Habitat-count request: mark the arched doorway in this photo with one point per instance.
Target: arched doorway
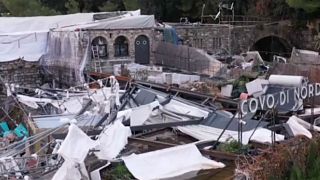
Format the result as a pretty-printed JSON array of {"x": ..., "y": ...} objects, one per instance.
[
  {"x": 99, "y": 45},
  {"x": 121, "y": 47},
  {"x": 142, "y": 50},
  {"x": 270, "y": 46}
]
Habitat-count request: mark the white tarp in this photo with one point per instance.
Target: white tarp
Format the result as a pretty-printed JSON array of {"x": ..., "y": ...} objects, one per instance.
[
  {"x": 168, "y": 162},
  {"x": 125, "y": 22},
  {"x": 76, "y": 145},
  {"x": 27, "y": 37},
  {"x": 9, "y": 25},
  {"x": 29, "y": 46},
  {"x": 202, "y": 132},
  {"x": 112, "y": 140},
  {"x": 74, "y": 150},
  {"x": 70, "y": 171}
]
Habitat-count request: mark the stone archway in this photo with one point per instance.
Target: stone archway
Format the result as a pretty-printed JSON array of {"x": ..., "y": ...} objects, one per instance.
[
  {"x": 271, "y": 45},
  {"x": 100, "y": 45},
  {"x": 121, "y": 47}
]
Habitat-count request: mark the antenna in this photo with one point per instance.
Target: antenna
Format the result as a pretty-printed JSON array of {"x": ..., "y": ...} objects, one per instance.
[
  {"x": 218, "y": 15},
  {"x": 203, "y": 6}
]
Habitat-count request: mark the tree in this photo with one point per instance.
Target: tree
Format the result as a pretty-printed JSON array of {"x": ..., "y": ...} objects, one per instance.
[
  {"x": 3, "y": 10},
  {"x": 72, "y": 6},
  {"x": 310, "y": 6},
  {"x": 131, "y": 4},
  {"x": 57, "y": 5},
  {"x": 27, "y": 8},
  {"x": 112, "y": 5}
]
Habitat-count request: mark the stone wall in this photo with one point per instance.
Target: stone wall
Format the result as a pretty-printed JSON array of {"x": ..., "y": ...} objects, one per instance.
[
  {"x": 237, "y": 39},
  {"x": 20, "y": 72},
  {"x": 209, "y": 37}
]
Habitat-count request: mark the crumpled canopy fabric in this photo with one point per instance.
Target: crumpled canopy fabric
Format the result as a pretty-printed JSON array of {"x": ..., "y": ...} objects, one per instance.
[
  {"x": 69, "y": 105},
  {"x": 140, "y": 114},
  {"x": 32, "y": 101},
  {"x": 70, "y": 171},
  {"x": 297, "y": 129},
  {"x": 168, "y": 162},
  {"x": 202, "y": 132},
  {"x": 183, "y": 108},
  {"x": 112, "y": 140},
  {"x": 76, "y": 145},
  {"x": 305, "y": 124}
]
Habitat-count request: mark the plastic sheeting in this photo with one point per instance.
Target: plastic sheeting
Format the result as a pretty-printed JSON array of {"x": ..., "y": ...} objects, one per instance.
[
  {"x": 186, "y": 58},
  {"x": 112, "y": 140},
  {"x": 68, "y": 51},
  {"x": 168, "y": 162}
]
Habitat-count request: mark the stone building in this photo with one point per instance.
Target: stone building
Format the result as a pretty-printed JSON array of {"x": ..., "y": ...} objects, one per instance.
[{"x": 120, "y": 46}]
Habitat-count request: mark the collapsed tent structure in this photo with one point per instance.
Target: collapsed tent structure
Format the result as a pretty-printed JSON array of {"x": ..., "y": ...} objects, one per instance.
[{"x": 90, "y": 120}]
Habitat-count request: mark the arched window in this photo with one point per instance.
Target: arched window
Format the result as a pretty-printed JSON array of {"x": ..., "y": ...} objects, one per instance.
[
  {"x": 99, "y": 46},
  {"x": 121, "y": 47}
]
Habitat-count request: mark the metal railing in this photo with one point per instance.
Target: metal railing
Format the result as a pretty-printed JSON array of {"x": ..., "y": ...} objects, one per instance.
[{"x": 235, "y": 20}]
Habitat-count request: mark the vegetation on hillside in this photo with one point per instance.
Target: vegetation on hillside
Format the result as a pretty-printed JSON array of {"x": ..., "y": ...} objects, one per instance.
[{"x": 165, "y": 10}]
